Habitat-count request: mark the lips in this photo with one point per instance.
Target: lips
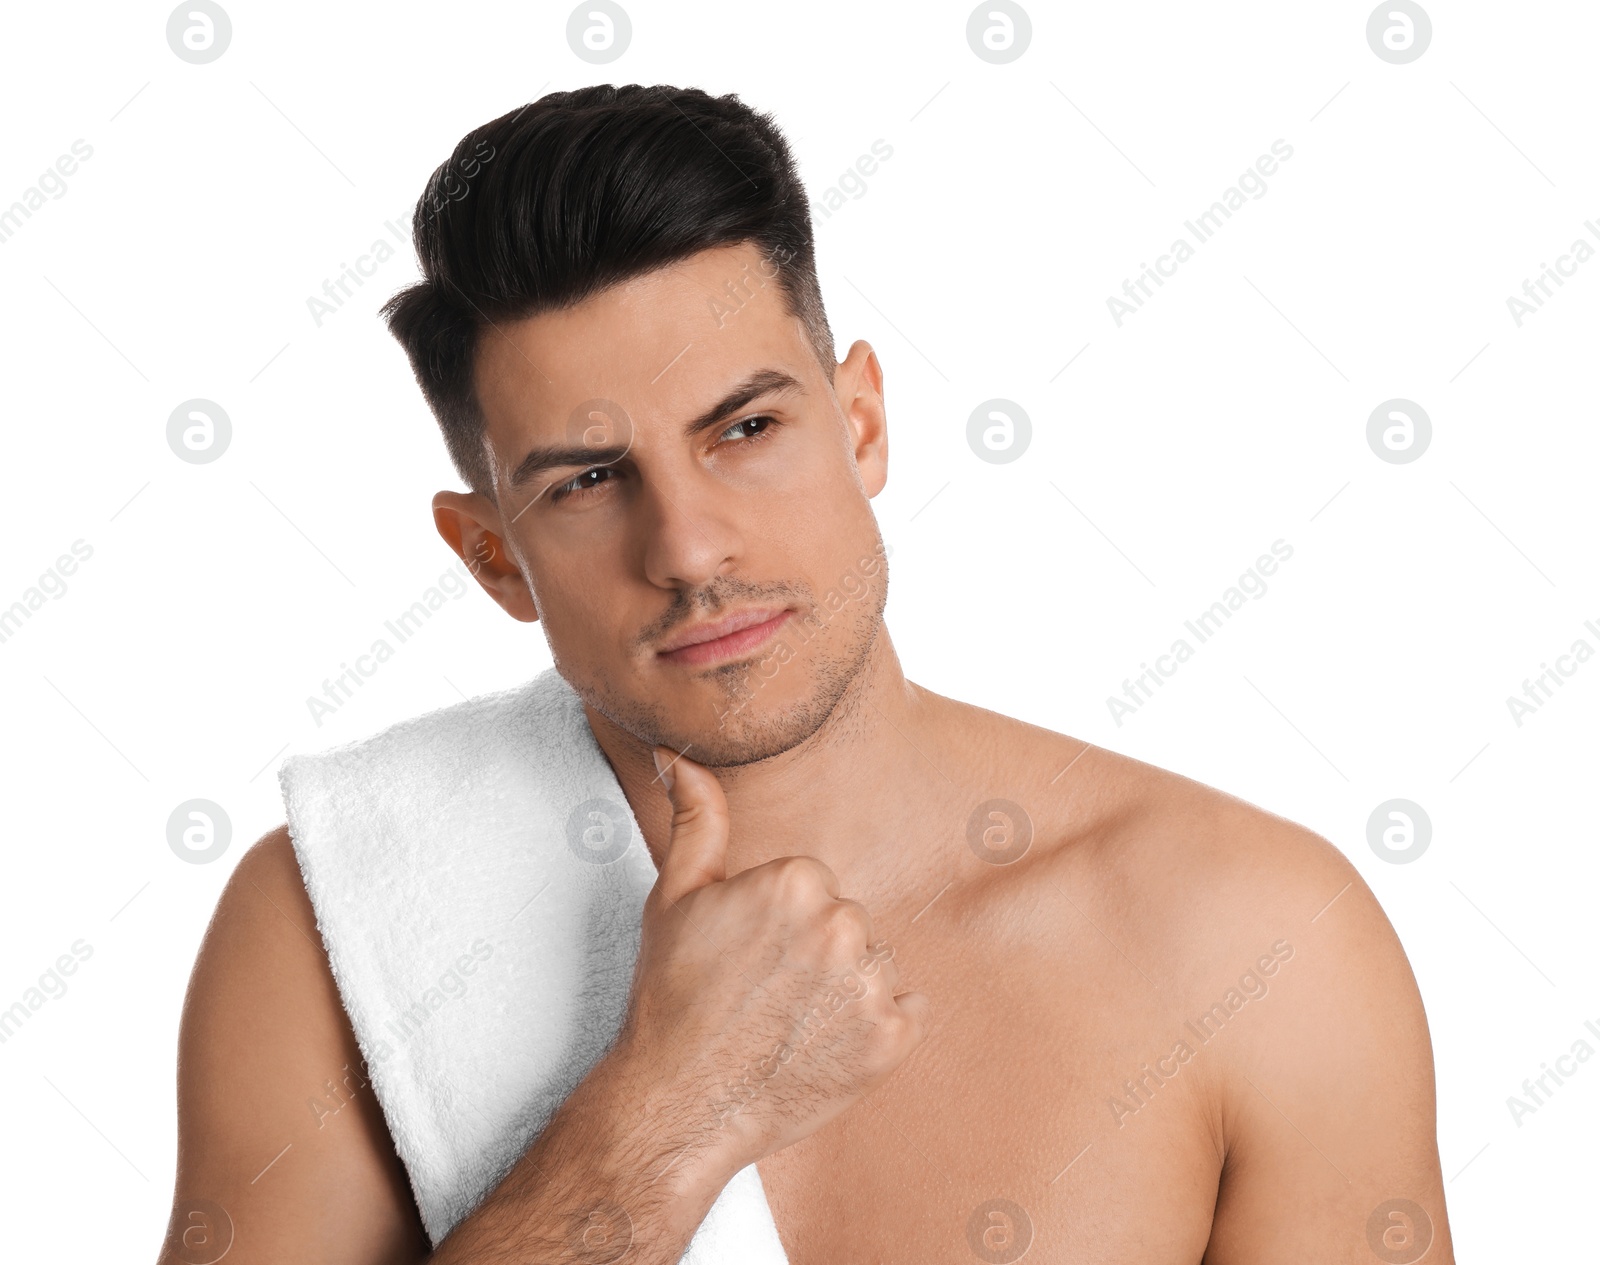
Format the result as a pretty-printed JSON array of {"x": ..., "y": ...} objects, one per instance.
[{"x": 733, "y": 636}]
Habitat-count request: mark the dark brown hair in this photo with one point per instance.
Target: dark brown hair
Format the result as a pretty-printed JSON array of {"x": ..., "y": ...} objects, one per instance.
[{"x": 577, "y": 191}]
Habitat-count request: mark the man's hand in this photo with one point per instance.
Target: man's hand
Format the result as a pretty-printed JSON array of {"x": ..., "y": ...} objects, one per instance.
[
  {"x": 762, "y": 1000},
  {"x": 761, "y": 1011}
]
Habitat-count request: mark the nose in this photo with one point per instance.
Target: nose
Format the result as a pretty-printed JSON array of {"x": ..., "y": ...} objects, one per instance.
[{"x": 690, "y": 529}]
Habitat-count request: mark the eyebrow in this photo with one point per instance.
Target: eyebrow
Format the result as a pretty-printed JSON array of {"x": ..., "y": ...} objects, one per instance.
[{"x": 547, "y": 457}]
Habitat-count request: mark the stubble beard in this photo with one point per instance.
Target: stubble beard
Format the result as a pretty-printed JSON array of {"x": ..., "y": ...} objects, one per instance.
[{"x": 737, "y": 728}]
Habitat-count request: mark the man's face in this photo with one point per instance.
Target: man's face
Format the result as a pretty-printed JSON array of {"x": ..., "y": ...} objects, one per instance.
[{"x": 670, "y": 459}]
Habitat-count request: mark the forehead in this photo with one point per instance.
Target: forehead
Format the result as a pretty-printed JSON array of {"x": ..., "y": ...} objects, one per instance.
[{"x": 661, "y": 345}]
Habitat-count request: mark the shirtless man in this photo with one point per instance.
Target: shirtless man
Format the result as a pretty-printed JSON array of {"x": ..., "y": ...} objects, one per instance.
[{"x": 1101, "y": 1012}]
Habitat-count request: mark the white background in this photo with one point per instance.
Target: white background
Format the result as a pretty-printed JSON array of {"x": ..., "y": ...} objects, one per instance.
[{"x": 1229, "y": 412}]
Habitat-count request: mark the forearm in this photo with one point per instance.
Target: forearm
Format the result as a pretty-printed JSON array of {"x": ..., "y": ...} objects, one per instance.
[{"x": 622, "y": 1167}]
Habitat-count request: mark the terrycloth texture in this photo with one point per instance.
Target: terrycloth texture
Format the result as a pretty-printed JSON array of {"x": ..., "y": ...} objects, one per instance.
[{"x": 478, "y": 879}]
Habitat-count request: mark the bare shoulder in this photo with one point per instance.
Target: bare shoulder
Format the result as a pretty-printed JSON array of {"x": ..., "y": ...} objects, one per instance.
[
  {"x": 1227, "y": 879},
  {"x": 1135, "y": 814},
  {"x": 1278, "y": 971},
  {"x": 1195, "y": 872},
  {"x": 282, "y": 1147},
  {"x": 1207, "y": 882},
  {"x": 1196, "y": 867},
  {"x": 1248, "y": 953}
]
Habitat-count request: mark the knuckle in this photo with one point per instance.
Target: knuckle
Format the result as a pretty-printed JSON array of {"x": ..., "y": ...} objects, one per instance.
[
  {"x": 895, "y": 1032},
  {"x": 842, "y": 931},
  {"x": 796, "y": 878}
]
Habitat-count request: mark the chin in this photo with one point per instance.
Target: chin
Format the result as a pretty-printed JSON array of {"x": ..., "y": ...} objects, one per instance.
[
  {"x": 744, "y": 712},
  {"x": 749, "y": 712},
  {"x": 757, "y": 730}
]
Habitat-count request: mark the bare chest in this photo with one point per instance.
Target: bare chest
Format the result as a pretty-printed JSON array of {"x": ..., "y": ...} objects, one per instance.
[{"x": 1037, "y": 1117}]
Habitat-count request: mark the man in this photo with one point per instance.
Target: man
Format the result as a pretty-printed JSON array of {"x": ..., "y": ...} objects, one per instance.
[{"x": 1114, "y": 1014}]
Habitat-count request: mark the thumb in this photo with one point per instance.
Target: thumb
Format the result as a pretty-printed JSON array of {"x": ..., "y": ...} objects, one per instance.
[
  {"x": 919, "y": 1009},
  {"x": 698, "y": 849}
]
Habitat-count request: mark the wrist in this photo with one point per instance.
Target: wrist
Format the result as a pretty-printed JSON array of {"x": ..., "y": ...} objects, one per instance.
[{"x": 677, "y": 1119}]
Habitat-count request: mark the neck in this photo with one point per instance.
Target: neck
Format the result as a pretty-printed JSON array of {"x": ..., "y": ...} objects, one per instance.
[{"x": 847, "y": 795}]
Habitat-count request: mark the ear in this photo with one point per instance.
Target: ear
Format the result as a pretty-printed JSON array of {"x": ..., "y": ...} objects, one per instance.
[
  {"x": 470, "y": 525},
  {"x": 858, "y": 384}
]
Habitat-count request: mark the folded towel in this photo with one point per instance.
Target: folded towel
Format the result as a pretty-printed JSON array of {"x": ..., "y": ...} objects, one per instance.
[{"x": 478, "y": 879}]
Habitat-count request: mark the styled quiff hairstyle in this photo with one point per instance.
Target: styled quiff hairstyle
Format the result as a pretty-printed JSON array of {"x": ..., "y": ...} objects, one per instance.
[{"x": 548, "y": 205}]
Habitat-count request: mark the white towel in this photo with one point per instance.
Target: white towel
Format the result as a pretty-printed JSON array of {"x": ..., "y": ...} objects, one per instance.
[{"x": 478, "y": 879}]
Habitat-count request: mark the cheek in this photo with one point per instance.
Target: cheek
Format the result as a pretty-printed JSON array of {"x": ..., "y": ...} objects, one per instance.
[
  {"x": 574, "y": 595},
  {"x": 810, "y": 486},
  {"x": 811, "y": 532}
]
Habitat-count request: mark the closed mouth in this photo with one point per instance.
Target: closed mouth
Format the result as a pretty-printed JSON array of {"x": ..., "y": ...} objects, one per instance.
[{"x": 733, "y": 636}]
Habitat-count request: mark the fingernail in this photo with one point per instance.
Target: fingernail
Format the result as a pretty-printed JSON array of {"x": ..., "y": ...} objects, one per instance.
[{"x": 663, "y": 769}]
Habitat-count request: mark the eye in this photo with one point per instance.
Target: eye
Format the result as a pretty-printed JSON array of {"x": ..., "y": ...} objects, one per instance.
[
  {"x": 589, "y": 480},
  {"x": 740, "y": 429},
  {"x": 751, "y": 429}
]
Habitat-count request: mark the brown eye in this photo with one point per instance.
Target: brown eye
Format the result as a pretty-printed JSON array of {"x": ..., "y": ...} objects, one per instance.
[
  {"x": 741, "y": 429},
  {"x": 585, "y": 482}
]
